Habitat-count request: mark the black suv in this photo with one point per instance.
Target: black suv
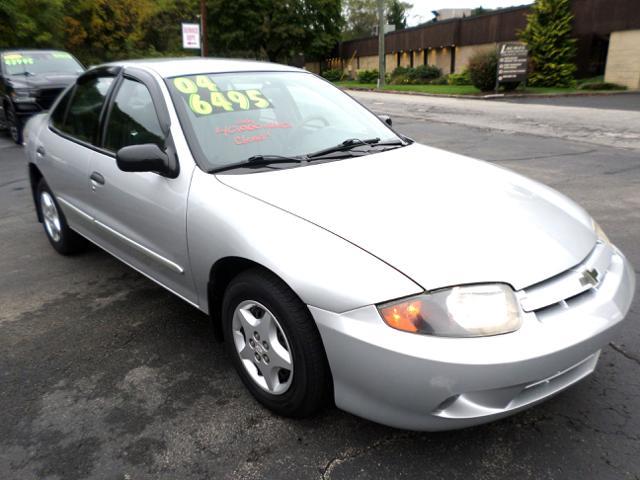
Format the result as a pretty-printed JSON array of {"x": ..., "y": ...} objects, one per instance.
[{"x": 30, "y": 80}]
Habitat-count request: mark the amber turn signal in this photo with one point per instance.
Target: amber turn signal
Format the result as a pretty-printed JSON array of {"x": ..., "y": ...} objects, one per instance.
[{"x": 403, "y": 316}]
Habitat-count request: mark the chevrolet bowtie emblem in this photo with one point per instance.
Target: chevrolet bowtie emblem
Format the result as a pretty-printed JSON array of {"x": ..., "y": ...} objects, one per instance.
[{"x": 589, "y": 277}]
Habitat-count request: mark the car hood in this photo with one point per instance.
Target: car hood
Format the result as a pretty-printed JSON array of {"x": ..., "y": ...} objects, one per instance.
[
  {"x": 440, "y": 218},
  {"x": 44, "y": 80}
]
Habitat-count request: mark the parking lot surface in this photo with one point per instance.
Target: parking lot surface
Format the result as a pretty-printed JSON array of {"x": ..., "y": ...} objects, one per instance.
[
  {"x": 103, "y": 374},
  {"x": 617, "y": 101}
]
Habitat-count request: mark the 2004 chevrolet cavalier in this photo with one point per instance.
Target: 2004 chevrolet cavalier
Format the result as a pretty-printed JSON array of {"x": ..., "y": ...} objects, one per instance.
[{"x": 420, "y": 289}]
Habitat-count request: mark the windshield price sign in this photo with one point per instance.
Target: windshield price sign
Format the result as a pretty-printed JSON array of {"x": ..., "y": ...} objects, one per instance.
[
  {"x": 512, "y": 62},
  {"x": 191, "y": 35}
]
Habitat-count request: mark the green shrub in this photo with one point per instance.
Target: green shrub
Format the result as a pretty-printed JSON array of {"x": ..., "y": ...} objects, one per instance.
[
  {"x": 399, "y": 79},
  {"x": 334, "y": 75},
  {"x": 601, "y": 86},
  {"x": 459, "y": 78},
  {"x": 509, "y": 86},
  {"x": 483, "y": 68},
  {"x": 368, "y": 76},
  {"x": 552, "y": 48},
  {"x": 425, "y": 73},
  {"x": 439, "y": 81}
]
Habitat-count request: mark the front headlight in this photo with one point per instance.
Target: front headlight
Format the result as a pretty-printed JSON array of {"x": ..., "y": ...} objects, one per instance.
[
  {"x": 466, "y": 311},
  {"x": 602, "y": 237},
  {"x": 23, "y": 96}
]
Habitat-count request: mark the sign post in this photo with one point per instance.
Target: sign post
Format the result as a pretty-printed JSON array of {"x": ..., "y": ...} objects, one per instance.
[
  {"x": 512, "y": 63},
  {"x": 381, "y": 49},
  {"x": 191, "y": 36}
]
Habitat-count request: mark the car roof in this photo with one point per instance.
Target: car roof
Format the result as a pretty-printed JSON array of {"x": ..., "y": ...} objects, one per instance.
[{"x": 171, "y": 67}]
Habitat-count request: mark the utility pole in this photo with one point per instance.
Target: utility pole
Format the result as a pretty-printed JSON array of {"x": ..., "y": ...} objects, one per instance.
[
  {"x": 381, "y": 50},
  {"x": 203, "y": 28}
]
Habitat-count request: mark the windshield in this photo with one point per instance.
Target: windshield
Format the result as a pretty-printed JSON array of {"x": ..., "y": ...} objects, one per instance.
[
  {"x": 231, "y": 117},
  {"x": 16, "y": 63}
]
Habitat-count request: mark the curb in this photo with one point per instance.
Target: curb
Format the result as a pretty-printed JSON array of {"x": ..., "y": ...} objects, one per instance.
[{"x": 498, "y": 96}]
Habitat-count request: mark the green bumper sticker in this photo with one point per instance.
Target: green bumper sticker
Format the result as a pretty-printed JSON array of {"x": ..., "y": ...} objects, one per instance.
[{"x": 16, "y": 59}]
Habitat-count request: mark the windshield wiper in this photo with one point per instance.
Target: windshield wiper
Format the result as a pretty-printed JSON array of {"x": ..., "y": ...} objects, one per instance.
[
  {"x": 355, "y": 142},
  {"x": 348, "y": 144},
  {"x": 257, "y": 161}
]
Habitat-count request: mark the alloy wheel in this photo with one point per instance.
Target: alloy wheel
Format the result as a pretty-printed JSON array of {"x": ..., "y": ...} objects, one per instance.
[
  {"x": 51, "y": 216},
  {"x": 263, "y": 347}
]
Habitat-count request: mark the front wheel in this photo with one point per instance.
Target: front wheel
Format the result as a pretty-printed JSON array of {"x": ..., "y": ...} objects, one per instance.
[
  {"x": 15, "y": 125},
  {"x": 275, "y": 345},
  {"x": 61, "y": 237}
]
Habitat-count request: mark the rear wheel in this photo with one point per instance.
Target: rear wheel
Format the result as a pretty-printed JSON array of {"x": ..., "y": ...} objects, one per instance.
[
  {"x": 61, "y": 237},
  {"x": 14, "y": 124},
  {"x": 275, "y": 345}
]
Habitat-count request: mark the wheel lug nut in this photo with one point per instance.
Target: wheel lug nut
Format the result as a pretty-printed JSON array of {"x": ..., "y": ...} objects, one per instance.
[
  {"x": 257, "y": 356},
  {"x": 256, "y": 335},
  {"x": 252, "y": 343},
  {"x": 265, "y": 358},
  {"x": 265, "y": 345}
]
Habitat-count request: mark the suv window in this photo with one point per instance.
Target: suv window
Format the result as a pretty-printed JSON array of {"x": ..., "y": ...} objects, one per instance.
[
  {"x": 133, "y": 119},
  {"x": 84, "y": 111},
  {"x": 59, "y": 113}
]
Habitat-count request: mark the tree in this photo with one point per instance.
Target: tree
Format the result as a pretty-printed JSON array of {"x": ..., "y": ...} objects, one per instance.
[
  {"x": 30, "y": 23},
  {"x": 397, "y": 14},
  {"x": 361, "y": 17},
  {"x": 552, "y": 50},
  {"x": 162, "y": 30},
  {"x": 274, "y": 30},
  {"x": 480, "y": 11}
]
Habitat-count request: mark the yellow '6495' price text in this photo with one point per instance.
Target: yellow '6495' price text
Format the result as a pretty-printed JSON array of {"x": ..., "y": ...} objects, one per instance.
[{"x": 204, "y": 98}]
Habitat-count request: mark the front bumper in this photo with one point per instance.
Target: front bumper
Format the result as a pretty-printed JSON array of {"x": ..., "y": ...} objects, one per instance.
[{"x": 421, "y": 382}]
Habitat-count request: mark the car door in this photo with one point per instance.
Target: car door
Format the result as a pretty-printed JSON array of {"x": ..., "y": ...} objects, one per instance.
[
  {"x": 142, "y": 215},
  {"x": 64, "y": 150}
]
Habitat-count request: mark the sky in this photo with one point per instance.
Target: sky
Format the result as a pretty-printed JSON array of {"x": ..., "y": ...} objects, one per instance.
[{"x": 421, "y": 11}]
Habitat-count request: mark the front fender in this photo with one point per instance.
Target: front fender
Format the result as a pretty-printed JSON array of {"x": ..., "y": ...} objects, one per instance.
[{"x": 323, "y": 269}]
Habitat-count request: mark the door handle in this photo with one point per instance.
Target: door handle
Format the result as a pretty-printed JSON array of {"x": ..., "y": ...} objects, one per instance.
[
  {"x": 96, "y": 179},
  {"x": 40, "y": 151}
]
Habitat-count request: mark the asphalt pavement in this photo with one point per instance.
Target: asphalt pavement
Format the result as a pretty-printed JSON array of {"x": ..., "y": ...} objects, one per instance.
[
  {"x": 105, "y": 375},
  {"x": 616, "y": 101}
]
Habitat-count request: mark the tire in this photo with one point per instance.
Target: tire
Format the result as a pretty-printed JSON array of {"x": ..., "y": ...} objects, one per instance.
[
  {"x": 297, "y": 392},
  {"x": 61, "y": 237},
  {"x": 14, "y": 124}
]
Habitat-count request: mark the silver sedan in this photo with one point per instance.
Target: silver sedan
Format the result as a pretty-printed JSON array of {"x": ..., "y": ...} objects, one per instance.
[{"x": 339, "y": 260}]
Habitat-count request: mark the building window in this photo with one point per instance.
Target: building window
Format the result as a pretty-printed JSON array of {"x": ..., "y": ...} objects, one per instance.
[
  {"x": 411, "y": 58},
  {"x": 398, "y": 59},
  {"x": 453, "y": 60}
]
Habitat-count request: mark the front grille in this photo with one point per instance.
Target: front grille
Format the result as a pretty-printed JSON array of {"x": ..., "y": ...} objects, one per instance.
[
  {"x": 47, "y": 96},
  {"x": 571, "y": 287}
]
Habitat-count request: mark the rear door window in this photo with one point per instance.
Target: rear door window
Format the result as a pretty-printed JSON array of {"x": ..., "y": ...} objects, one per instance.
[{"x": 83, "y": 116}]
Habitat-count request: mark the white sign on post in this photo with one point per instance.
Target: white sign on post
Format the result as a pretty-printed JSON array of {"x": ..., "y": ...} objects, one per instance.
[{"x": 191, "y": 35}]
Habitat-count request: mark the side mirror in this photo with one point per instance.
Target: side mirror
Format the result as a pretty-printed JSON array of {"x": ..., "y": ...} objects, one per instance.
[
  {"x": 145, "y": 158},
  {"x": 386, "y": 119}
]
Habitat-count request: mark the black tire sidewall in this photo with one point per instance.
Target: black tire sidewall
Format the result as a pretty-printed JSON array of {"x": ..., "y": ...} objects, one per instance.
[
  {"x": 298, "y": 400},
  {"x": 13, "y": 120}
]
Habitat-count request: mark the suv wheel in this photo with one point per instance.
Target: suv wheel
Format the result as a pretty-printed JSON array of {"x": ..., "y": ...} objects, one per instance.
[{"x": 15, "y": 125}]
